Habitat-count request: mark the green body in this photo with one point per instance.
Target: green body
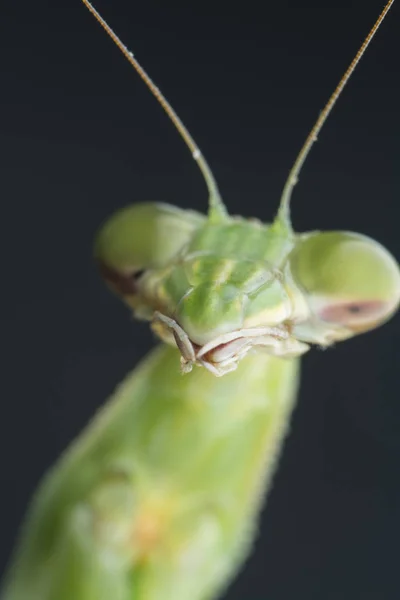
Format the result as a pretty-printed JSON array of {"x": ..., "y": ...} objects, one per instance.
[{"x": 158, "y": 498}]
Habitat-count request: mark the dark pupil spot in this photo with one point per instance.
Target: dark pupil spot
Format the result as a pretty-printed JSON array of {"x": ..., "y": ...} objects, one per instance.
[
  {"x": 122, "y": 283},
  {"x": 354, "y": 309},
  {"x": 135, "y": 276}
]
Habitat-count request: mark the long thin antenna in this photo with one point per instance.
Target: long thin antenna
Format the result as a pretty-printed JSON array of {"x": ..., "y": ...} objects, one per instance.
[
  {"x": 284, "y": 209},
  {"x": 217, "y": 210}
]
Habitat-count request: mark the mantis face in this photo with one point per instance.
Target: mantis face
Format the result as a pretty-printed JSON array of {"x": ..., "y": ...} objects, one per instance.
[{"x": 217, "y": 291}]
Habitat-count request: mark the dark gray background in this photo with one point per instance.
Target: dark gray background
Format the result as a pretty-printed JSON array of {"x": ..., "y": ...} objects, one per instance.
[{"x": 80, "y": 136}]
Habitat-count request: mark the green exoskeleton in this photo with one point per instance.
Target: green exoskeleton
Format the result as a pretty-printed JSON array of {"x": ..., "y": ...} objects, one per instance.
[{"x": 159, "y": 498}]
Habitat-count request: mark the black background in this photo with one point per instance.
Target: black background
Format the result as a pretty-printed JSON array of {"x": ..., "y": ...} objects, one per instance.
[{"x": 80, "y": 136}]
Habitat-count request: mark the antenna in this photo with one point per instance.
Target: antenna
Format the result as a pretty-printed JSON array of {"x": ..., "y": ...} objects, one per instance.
[
  {"x": 217, "y": 210},
  {"x": 283, "y": 217}
]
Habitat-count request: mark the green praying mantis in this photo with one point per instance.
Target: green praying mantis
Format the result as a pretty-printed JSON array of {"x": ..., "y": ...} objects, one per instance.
[{"x": 159, "y": 498}]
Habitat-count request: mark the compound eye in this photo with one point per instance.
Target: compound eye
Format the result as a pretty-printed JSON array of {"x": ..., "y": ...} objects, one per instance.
[
  {"x": 139, "y": 238},
  {"x": 146, "y": 235},
  {"x": 348, "y": 280}
]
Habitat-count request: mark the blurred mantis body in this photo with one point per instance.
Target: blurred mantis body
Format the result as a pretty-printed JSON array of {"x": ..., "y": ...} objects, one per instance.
[{"x": 159, "y": 497}]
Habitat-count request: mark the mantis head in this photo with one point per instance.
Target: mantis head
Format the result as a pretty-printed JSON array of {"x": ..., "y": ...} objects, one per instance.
[{"x": 219, "y": 290}]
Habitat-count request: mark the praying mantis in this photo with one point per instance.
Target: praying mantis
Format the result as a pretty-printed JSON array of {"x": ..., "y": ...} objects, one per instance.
[{"x": 160, "y": 496}]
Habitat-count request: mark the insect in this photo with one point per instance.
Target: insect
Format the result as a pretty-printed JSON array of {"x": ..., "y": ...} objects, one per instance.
[{"x": 159, "y": 497}]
